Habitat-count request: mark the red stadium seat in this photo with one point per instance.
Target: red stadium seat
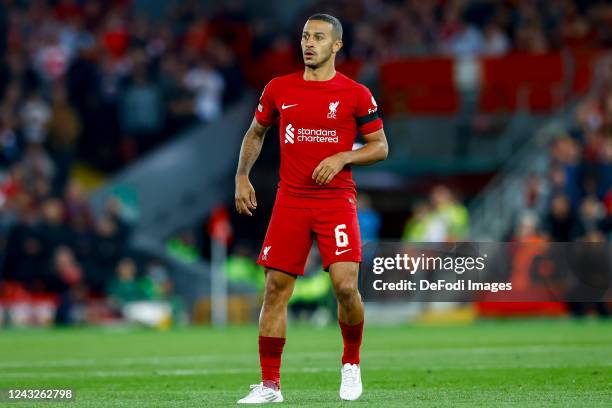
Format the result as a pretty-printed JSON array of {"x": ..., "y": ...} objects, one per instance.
[
  {"x": 584, "y": 61},
  {"x": 13, "y": 291},
  {"x": 420, "y": 85},
  {"x": 533, "y": 82}
]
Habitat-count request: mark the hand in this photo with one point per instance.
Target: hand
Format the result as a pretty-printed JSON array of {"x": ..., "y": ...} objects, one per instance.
[
  {"x": 328, "y": 168},
  {"x": 245, "y": 196}
]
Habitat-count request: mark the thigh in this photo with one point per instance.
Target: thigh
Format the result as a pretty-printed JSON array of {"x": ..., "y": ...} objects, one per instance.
[
  {"x": 288, "y": 240},
  {"x": 337, "y": 234}
]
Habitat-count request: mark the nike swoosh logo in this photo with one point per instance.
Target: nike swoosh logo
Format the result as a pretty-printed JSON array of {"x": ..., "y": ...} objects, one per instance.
[
  {"x": 341, "y": 252},
  {"x": 288, "y": 106}
]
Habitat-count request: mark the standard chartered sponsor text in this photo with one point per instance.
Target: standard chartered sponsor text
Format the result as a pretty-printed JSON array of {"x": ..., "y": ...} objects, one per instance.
[{"x": 317, "y": 135}]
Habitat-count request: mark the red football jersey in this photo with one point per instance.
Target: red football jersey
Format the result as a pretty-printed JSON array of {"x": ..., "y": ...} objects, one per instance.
[{"x": 317, "y": 119}]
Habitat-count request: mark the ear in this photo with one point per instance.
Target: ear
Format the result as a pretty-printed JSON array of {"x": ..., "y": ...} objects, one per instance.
[{"x": 337, "y": 46}]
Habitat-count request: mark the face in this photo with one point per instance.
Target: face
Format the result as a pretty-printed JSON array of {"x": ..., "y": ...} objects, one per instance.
[
  {"x": 560, "y": 206},
  {"x": 319, "y": 43}
]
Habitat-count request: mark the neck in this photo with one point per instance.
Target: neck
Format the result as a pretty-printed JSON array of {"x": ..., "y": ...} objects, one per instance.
[{"x": 322, "y": 73}]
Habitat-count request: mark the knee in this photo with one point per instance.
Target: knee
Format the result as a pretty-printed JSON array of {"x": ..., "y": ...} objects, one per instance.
[
  {"x": 276, "y": 291},
  {"x": 347, "y": 293}
]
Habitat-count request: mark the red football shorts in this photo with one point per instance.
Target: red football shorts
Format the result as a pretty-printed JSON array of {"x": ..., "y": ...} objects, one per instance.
[{"x": 333, "y": 223}]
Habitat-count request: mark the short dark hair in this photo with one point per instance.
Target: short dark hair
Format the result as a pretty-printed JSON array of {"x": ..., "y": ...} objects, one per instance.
[{"x": 336, "y": 24}]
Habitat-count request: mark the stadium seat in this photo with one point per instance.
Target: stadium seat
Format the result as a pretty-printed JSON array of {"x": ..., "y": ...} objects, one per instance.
[
  {"x": 583, "y": 61},
  {"x": 12, "y": 291},
  {"x": 420, "y": 85},
  {"x": 532, "y": 82}
]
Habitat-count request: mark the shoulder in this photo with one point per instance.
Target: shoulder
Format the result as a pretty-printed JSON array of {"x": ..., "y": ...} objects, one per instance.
[
  {"x": 285, "y": 79},
  {"x": 279, "y": 83},
  {"x": 351, "y": 83}
]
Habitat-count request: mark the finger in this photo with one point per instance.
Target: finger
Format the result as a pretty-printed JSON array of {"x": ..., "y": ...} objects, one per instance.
[
  {"x": 239, "y": 206},
  {"x": 243, "y": 208},
  {"x": 253, "y": 199},
  {"x": 330, "y": 177},
  {"x": 245, "y": 200},
  {"x": 322, "y": 175},
  {"x": 316, "y": 171},
  {"x": 247, "y": 207},
  {"x": 317, "y": 179}
]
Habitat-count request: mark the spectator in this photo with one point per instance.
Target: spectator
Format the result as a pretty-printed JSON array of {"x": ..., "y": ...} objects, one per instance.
[
  {"x": 560, "y": 221},
  {"x": 207, "y": 85},
  {"x": 452, "y": 215},
  {"x": 496, "y": 42},
  {"x": 25, "y": 255},
  {"x": 369, "y": 219},
  {"x": 457, "y": 37},
  {"x": 229, "y": 68},
  {"x": 11, "y": 144},
  {"x": 527, "y": 229},
  {"x": 125, "y": 288},
  {"x": 35, "y": 115},
  {"x": 37, "y": 164},
  {"x": 54, "y": 231},
  {"x": 64, "y": 128},
  {"x": 66, "y": 280},
  {"x": 591, "y": 217},
  {"x": 109, "y": 245},
  {"x": 423, "y": 226},
  {"x": 76, "y": 205},
  {"x": 142, "y": 111}
]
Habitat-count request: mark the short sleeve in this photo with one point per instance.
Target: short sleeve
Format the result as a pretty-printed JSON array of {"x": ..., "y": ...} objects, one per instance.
[
  {"x": 266, "y": 112},
  {"x": 367, "y": 115}
]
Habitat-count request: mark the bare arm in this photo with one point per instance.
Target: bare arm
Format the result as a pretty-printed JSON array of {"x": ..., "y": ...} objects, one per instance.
[
  {"x": 249, "y": 152},
  {"x": 374, "y": 150}
]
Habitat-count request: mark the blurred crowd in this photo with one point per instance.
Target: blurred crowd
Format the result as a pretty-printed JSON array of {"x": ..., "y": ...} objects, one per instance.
[
  {"x": 97, "y": 78},
  {"x": 54, "y": 249},
  {"x": 87, "y": 80},
  {"x": 574, "y": 200},
  {"x": 382, "y": 29}
]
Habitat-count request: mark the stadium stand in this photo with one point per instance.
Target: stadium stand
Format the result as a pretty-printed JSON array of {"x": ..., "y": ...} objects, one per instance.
[{"x": 79, "y": 82}]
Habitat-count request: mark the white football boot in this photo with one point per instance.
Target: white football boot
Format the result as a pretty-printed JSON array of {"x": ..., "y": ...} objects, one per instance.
[
  {"x": 261, "y": 394},
  {"x": 350, "y": 387}
]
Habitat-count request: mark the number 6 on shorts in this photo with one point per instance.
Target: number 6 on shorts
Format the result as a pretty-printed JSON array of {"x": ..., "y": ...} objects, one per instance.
[{"x": 341, "y": 237}]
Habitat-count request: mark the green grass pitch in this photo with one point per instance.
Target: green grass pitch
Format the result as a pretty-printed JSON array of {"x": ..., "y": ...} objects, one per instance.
[{"x": 536, "y": 363}]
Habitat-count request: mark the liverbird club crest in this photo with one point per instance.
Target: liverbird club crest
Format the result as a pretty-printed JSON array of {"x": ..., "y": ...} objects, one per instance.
[{"x": 333, "y": 106}]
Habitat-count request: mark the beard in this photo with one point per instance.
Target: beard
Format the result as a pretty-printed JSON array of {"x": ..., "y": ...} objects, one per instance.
[
  {"x": 316, "y": 64},
  {"x": 312, "y": 64}
]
